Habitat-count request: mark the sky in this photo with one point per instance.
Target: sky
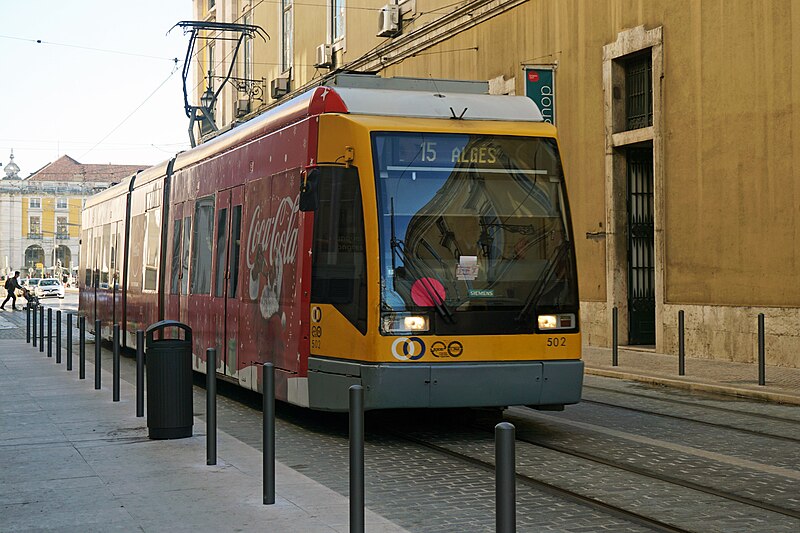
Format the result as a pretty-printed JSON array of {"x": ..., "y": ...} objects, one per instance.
[{"x": 102, "y": 86}]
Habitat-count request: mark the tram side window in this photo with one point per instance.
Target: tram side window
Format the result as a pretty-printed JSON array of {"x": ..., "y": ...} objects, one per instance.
[
  {"x": 222, "y": 247},
  {"x": 86, "y": 251},
  {"x": 98, "y": 258},
  {"x": 105, "y": 256},
  {"x": 152, "y": 249},
  {"x": 236, "y": 229},
  {"x": 187, "y": 236},
  {"x": 175, "y": 279},
  {"x": 202, "y": 245},
  {"x": 338, "y": 270}
]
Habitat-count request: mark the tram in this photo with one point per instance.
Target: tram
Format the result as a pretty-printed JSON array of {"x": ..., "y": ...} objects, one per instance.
[{"x": 411, "y": 236}]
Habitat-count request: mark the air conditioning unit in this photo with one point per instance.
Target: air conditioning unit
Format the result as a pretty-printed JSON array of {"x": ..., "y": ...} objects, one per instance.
[
  {"x": 279, "y": 87},
  {"x": 389, "y": 21},
  {"x": 324, "y": 57},
  {"x": 242, "y": 107}
]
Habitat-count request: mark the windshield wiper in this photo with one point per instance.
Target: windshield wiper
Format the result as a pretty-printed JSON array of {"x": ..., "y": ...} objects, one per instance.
[
  {"x": 538, "y": 290},
  {"x": 398, "y": 250}
]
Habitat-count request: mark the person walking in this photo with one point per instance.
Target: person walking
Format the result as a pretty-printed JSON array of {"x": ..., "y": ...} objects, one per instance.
[{"x": 12, "y": 284}]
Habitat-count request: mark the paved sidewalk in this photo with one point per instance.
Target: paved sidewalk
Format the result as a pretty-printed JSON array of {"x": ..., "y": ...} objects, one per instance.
[
  {"x": 722, "y": 377},
  {"x": 73, "y": 460}
]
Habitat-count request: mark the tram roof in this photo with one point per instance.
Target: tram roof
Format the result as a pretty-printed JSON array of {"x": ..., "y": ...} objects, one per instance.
[
  {"x": 357, "y": 95},
  {"x": 457, "y": 100}
]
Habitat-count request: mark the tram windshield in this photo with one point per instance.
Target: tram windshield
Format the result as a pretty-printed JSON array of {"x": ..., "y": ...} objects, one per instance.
[{"x": 472, "y": 223}]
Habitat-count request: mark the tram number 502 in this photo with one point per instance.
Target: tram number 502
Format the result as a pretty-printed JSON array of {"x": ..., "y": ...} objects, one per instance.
[
  {"x": 316, "y": 336},
  {"x": 555, "y": 342}
]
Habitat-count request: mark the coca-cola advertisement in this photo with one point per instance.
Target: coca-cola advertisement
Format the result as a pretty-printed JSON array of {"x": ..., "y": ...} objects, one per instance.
[{"x": 270, "y": 324}]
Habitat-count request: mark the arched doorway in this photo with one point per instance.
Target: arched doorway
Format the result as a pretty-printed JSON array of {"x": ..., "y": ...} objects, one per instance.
[
  {"x": 64, "y": 254},
  {"x": 33, "y": 254}
]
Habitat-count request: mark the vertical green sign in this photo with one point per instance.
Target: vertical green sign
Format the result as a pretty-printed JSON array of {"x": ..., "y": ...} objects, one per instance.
[{"x": 540, "y": 86}]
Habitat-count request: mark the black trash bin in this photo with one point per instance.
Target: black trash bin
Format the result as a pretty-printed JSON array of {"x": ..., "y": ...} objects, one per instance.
[{"x": 169, "y": 382}]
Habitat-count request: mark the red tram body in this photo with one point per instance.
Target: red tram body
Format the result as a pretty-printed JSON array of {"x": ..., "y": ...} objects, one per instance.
[{"x": 216, "y": 239}]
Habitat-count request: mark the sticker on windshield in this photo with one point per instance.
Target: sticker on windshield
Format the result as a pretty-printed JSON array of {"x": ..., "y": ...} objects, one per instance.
[{"x": 467, "y": 268}]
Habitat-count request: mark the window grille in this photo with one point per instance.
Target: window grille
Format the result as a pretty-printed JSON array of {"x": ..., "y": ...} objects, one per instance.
[{"x": 639, "y": 92}]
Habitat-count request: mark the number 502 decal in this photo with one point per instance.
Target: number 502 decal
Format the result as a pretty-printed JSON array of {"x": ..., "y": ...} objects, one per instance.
[{"x": 556, "y": 341}]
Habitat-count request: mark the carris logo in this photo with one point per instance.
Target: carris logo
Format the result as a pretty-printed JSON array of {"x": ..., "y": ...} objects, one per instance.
[{"x": 408, "y": 348}]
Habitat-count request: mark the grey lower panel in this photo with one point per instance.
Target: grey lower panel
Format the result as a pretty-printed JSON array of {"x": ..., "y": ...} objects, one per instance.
[{"x": 400, "y": 385}]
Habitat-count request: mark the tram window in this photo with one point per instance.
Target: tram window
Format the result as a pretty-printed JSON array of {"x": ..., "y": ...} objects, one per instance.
[
  {"x": 236, "y": 229},
  {"x": 175, "y": 280},
  {"x": 98, "y": 242},
  {"x": 187, "y": 235},
  {"x": 152, "y": 249},
  {"x": 222, "y": 247},
  {"x": 86, "y": 245},
  {"x": 201, "y": 245},
  {"x": 338, "y": 273},
  {"x": 136, "y": 256},
  {"x": 105, "y": 256}
]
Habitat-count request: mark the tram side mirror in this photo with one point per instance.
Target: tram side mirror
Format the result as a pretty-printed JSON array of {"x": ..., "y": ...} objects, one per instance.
[{"x": 309, "y": 195}]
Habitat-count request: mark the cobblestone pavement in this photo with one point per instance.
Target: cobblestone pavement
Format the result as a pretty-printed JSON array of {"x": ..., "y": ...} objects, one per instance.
[{"x": 746, "y": 448}]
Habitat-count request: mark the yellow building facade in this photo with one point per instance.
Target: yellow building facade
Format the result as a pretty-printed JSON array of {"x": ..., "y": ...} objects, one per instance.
[
  {"x": 40, "y": 216},
  {"x": 677, "y": 122}
]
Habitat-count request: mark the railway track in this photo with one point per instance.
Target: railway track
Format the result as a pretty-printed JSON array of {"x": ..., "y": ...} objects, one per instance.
[
  {"x": 553, "y": 489},
  {"x": 717, "y": 408},
  {"x": 704, "y": 422},
  {"x": 673, "y": 480}
]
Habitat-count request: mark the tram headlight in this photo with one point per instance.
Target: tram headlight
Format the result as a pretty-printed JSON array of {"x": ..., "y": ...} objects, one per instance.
[
  {"x": 565, "y": 321},
  {"x": 404, "y": 323},
  {"x": 547, "y": 321}
]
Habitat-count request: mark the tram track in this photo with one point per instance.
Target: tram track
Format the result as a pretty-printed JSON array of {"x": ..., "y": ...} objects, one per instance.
[
  {"x": 762, "y": 416},
  {"x": 665, "y": 478},
  {"x": 552, "y": 489},
  {"x": 695, "y": 420}
]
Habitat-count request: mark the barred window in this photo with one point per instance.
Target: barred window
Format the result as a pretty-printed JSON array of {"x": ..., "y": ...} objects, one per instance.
[{"x": 638, "y": 91}]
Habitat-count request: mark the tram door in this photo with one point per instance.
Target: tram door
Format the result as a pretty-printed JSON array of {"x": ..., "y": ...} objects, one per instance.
[
  {"x": 641, "y": 257},
  {"x": 224, "y": 296}
]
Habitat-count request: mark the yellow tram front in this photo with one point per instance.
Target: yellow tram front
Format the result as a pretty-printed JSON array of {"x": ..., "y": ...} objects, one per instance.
[{"x": 443, "y": 265}]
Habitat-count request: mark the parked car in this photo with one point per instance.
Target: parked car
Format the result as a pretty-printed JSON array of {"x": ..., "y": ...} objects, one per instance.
[{"x": 49, "y": 287}]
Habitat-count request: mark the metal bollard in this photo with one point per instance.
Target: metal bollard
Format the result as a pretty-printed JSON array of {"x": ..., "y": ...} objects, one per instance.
[
  {"x": 41, "y": 329},
  {"x": 762, "y": 358},
  {"x": 81, "y": 347},
  {"x": 97, "y": 353},
  {"x": 681, "y": 346},
  {"x": 268, "y": 426},
  {"x": 139, "y": 373},
  {"x": 356, "y": 459},
  {"x": 115, "y": 384},
  {"x": 34, "y": 325},
  {"x": 614, "y": 338},
  {"x": 69, "y": 342},
  {"x": 211, "y": 406},
  {"x": 58, "y": 337},
  {"x": 505, "y": 478},
  {"x": 28, "y": 323},
  {"x": 49, "y": 332}
]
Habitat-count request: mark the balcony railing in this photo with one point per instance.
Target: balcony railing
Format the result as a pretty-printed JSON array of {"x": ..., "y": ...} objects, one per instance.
[
  {"x": 62, "y": 235},
  {"x": 34, "y": 235}
]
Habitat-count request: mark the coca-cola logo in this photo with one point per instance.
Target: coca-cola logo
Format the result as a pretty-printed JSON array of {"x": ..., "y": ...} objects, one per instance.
[{"x": 273, "y": 238}]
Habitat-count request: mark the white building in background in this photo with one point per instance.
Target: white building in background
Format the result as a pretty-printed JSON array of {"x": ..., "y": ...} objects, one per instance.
[{"x": 40, "y": 215}]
